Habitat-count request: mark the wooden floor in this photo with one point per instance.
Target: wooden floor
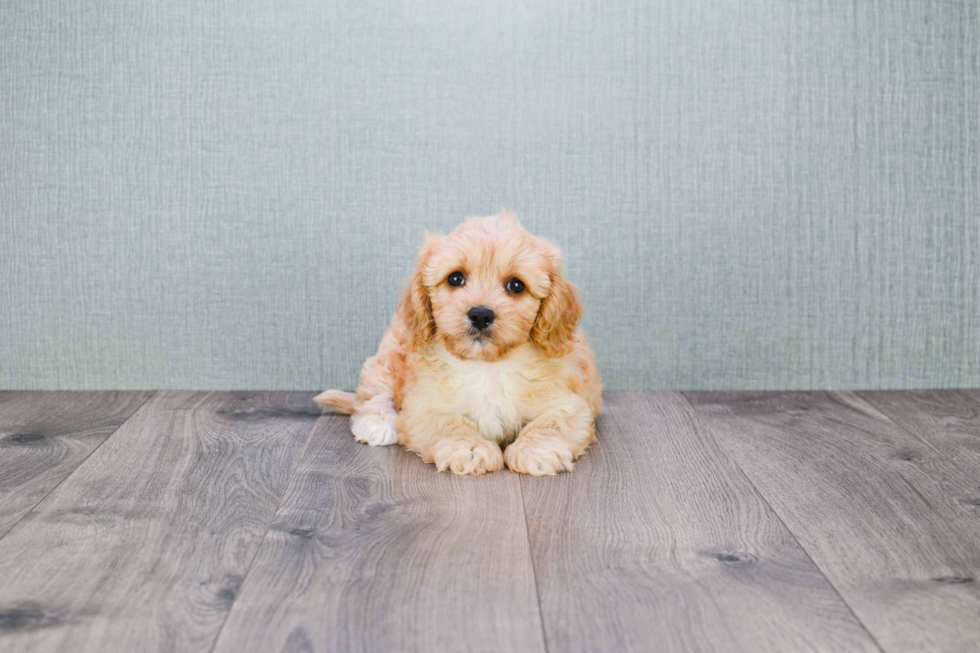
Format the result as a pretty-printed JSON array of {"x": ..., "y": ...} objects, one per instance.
[{"x": 179, "y": 521}]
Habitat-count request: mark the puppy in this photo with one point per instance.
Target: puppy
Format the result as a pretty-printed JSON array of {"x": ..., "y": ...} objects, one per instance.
[{"x": 484, "y": 363}]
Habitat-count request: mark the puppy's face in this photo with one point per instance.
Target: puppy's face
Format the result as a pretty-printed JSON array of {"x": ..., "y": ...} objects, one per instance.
[{"x": 490, "y": 286}]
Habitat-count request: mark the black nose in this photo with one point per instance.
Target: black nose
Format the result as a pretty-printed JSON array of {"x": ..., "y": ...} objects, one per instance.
[{"x": 481, "y": 317}]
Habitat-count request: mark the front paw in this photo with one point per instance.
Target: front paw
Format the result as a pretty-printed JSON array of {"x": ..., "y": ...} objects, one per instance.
[
  {"x": 468, "y": 456},
  {"x": 539, "y": 455}
]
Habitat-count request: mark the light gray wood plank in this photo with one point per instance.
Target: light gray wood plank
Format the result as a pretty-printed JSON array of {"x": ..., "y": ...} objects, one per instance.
[
  {"x": 657, "y": 542},
  {"x": 44, "y": 436},
  {"x": 145, "y": 545},
  {"x": 882, "y": 514},
  {"x": 372, "y": 550},
  {"x": 947, "y": 421}
]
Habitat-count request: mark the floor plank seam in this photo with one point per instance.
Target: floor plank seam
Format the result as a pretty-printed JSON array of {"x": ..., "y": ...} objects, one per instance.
[
  {"x": 268, "y": 527},
  {"x": 534, "y": 573},
  {"x": 80, "y": 463},
  {"x": 924, "y": 442},
  {"x": 796, "y": 538}
]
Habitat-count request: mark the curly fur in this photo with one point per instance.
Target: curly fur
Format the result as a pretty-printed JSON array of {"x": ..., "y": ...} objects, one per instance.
[{"x": 524, "y": 394}]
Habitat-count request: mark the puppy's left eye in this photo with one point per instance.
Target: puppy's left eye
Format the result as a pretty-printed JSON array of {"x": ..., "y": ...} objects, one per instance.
[{"x": 515, "y": 286}]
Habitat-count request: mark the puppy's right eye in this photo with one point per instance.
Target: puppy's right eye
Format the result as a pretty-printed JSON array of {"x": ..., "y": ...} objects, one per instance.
[{"x": 456, "y": 279}]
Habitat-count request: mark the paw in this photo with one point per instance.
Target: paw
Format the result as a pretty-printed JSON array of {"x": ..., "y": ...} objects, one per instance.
[
  {"x": 373, "y": 429},
  {"x": 539, "y": 456},
  {"x": 468, "y": 456}
]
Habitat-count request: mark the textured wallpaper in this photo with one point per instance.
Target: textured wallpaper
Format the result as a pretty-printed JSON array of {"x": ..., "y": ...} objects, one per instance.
[{"x": 751, "y": 194}]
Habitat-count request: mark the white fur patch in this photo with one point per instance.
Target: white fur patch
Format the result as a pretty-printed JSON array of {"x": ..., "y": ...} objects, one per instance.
[
  {"x": 373, "y": 422},
  {"x": 489, "y": 393}
]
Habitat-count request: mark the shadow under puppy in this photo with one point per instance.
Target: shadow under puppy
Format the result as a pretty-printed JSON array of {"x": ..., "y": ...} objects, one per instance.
[{"x": 484, "y": 352}]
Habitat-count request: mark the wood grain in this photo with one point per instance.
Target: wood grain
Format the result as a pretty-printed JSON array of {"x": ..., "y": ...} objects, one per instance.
[
  {"x": 45, "y": 435},
  {"x": 372, "y": 550},
  {"x": 658, "y": 542},
  {"x": 947, "y": 421},
  {"x": 886, "y": 517},
  {"x": 145, "y": 545}
]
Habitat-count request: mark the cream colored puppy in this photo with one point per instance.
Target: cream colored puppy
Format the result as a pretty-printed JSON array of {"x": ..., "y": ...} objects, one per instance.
[{"x": 484, "y": 352}]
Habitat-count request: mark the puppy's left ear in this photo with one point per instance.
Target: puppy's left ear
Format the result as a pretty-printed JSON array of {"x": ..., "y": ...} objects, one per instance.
[{"x": 559, "y": 314}]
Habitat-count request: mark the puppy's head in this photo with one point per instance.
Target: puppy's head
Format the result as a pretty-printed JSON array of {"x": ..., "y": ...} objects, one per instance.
[{"x": 488, "y": 287}]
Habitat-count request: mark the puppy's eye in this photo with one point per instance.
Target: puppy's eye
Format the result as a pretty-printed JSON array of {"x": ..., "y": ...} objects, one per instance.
[
  {"x": 456, "y": 279},
  {"x": 515, "y": 286}
]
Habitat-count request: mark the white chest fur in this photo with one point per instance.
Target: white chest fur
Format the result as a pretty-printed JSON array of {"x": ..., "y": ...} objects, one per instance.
[{"x": 496, "y": 396}]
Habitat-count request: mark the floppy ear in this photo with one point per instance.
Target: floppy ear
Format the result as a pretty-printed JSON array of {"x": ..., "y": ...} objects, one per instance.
[
  {"x": 558, "y": 316},
  {"x": 415, "y": 308}
]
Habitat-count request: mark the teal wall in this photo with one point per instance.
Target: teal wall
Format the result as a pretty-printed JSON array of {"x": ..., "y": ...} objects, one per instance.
[{"x": 752, "y": 194}]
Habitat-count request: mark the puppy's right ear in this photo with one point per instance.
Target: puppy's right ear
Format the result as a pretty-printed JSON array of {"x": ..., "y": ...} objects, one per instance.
[{"x": 415, "y": 309}]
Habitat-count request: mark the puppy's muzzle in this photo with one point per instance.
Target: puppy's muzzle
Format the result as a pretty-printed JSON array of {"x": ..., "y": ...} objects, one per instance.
[{"x": 481, "y": 317}]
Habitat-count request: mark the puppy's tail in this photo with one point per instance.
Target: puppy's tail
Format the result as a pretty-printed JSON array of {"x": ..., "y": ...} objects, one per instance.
[{"x": 342, "y": 402}]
